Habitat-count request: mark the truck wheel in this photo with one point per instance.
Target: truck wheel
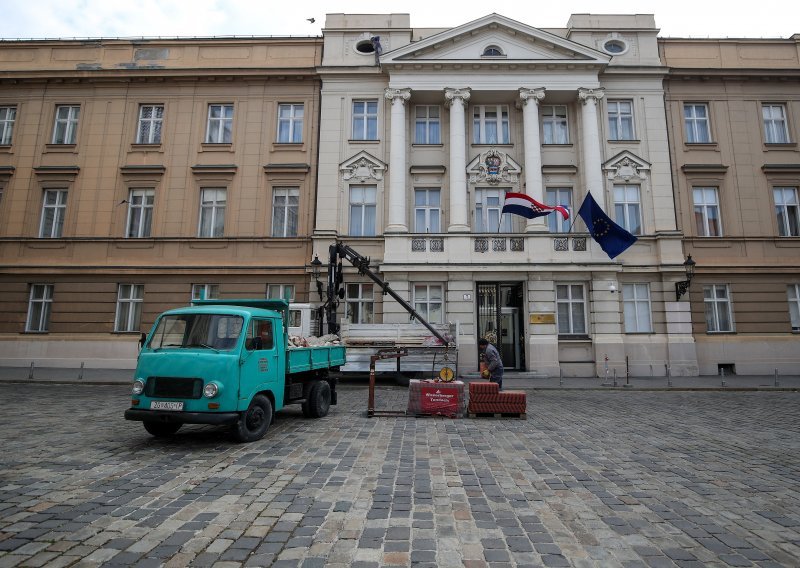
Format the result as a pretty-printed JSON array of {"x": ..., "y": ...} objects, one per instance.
[
  {"x": 319, "y": 399},
  {"x": 162, "y": 429},
  {"x": 253, "y": 423}
]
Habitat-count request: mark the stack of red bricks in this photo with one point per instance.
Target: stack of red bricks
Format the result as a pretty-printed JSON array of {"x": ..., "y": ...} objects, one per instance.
[{"x": 486, "y": 398}]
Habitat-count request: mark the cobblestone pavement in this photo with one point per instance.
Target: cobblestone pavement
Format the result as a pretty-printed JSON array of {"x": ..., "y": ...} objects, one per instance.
[{"x": 591, "y": 478}]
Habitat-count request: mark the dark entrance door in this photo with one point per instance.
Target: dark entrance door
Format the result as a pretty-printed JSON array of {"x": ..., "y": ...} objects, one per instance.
[{"x": 500, "y": 320}]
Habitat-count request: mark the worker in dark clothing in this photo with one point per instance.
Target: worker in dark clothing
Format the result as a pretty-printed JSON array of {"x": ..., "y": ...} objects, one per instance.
[{"x": 494, "y": 365}]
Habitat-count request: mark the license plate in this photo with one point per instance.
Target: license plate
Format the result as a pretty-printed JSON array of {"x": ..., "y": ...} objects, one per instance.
[{"x": 163, "y": 405}]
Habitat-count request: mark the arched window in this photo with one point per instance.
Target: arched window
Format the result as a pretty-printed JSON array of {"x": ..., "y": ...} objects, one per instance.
[{"x": 492, "y": 51}]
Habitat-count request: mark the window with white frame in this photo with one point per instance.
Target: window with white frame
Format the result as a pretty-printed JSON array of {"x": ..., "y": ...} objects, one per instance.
[
  {"x": 558, "y": 196},
  {"x": 717, "y": 299},
  {"x": 285, "y": 203},
  {"x": 140, "y": 212},
  {"x": 555, "y": 129},
  {"x": 151, "y": 117},
  {"x": 794, "y": 306},
  {"x": 280, "y": 291},
  {"x": 571, "y": 309},
  {"x": 54, "y": 207},
  {"x": 8, "y": 115},
  {"x": 427, "y": 125},
  {"x": 363, "y": 200},
  {"x": 365, "y": 120},
  {"x": 706, "y": 212},
  {"x": 219, "y": 129},
  {"x": 129, "y": 307},
  {"x": 628, "y": 208},
  {"x": 620, "y": 120},
  {"x": 429, "y": 302},
  {"x": 490, "y": 124},
  {"x": 290, "y": 123},
  {"x": 636, "y": 304},
  {"x": 489, "y": 216},
  {"x": 787, "y": 211},
  {"x": 427, "y": 210},
  {"x": 695, "y": 120},
  {"x": 40, "y": 301},
  {"x": 212, "y": 211},
  {"x": 205, "y": 291},
  {"x": 776, "y": 128},
  {"x": 360, "y": 303},
  {"x": 65, "y": 130}
]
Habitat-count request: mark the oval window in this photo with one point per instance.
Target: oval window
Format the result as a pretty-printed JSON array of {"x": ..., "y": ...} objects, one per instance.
[
  {"x": 615, "y": 46},
  {"x": 365, "y": 46}
]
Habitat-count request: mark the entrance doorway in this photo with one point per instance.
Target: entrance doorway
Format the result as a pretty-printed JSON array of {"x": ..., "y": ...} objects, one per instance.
[{"x": 500, "y": 320}]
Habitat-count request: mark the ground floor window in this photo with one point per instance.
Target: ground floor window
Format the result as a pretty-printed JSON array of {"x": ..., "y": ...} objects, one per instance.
[
  {"x": 39, "y": 303},
  {"x": 129, "y": 307},
  {"x": 205, "y": 291},
  {"x": 636, "y": 301},
  {"x": 571, "y": 309},
  {"x": 717, "y": 299},
  {"x": 429, "y": 302},
  {"x": 360, "y": 303}
]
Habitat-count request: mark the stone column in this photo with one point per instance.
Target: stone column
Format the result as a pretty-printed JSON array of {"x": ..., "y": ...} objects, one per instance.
[
  {"x": 533, "y": 152},
  {"x": 459, "y": 207},
  {"x": 398, "y": 222},
  {"x": 593, "y": 174}
]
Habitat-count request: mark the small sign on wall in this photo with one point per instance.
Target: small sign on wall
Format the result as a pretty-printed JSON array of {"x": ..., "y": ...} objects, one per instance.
[
  {"x": 468, "y": 297},
  {"x": 544, "y": 318}
]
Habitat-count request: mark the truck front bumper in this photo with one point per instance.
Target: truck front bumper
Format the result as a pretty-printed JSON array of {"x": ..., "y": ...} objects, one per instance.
[{"x": 169, "y": 416}]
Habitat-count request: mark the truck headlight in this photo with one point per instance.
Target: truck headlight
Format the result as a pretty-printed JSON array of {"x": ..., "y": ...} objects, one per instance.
[
  {"x": 138, "y": 386},
  {"x": 211, "y": 390}
]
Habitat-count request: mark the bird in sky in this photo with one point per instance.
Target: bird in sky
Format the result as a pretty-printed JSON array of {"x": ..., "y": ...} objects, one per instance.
[{"x": 311, "y": 20}]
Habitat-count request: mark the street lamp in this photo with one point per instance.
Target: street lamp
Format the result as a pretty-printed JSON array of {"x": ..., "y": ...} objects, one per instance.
[
  {"x": 682, "y": 287},
  {"x": 316, "y": 270}
]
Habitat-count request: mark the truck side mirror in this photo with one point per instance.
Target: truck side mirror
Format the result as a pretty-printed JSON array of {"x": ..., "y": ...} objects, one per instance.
[{"x": 142, "y": 340}]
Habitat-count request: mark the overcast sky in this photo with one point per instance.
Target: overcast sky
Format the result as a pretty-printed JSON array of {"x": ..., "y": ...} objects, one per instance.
[{"x": 169, "y": 18}]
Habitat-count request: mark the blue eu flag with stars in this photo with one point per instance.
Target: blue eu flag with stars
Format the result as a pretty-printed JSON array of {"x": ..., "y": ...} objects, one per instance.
[{"x": 612, "y": 238}]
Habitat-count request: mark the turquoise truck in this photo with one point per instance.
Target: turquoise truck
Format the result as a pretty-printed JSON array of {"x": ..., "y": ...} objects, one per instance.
[{"x": 227, "y": 363}]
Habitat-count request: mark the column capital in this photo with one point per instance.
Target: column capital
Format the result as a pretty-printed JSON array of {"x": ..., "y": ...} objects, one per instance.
[
  {"x": 531, "y": 95},
  {"x": 397, "y": 94},
  {"x": 594, "y": 95},
  {"x": 452, "y": 95}
]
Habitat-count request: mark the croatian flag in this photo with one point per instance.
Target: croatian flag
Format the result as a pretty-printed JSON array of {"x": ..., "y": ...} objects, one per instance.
[{"x": 521, "y": 204}]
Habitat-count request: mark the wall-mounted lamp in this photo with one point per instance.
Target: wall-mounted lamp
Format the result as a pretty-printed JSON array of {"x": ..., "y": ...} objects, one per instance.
[
  {"x": 682, "y": 287},
  {"x": 316, "y": 270},
  {"x": 612, "y": 287}
]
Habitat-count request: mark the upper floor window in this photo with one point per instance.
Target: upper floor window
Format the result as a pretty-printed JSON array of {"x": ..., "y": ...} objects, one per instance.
[
  {"x": 427, "y": 126},
  {"x": 427, "y": 210},
  {"x": 290, "y": 123},
  {"x": 360, "y": 303},
  {"x": 490, "y": 124},
  {"x": 492, "y": 51},
  {"x": 8, "y": 115},
  {"x": 794, "y": 306},
  {"x": 706, "y": 212},
  {"x": 628, "y": 208},
  {"x": 554, "y": 124},
  {"x": 636, "y": 302},
  {"x": 280, "y": 292},
  {"x": 54, "y": 206},
  {"x": 219, "y": 129},
  {"x": 285, "y": 202},
  {"x": 787, "y": 210},
  {"x": 65, "y": 130},
  {"x": 363, "y": 200},
  {"x": 39, "y": 304},
  {"x": 717, "y": 300},
  {"x": 489, "y": 211},
  {"x": 428, "y": 302},
  {"x": 212, "y": 212},
  {"x": 140, "y": 212},
  {"x": 558, "y": 196},
  {"x": 205, "y": 291},
  {"x": 695, "y": 120},
  {"x": 620, "y": 120},
  {"x": 365, "y": 120},
  {"x": 776, "y": 128},
  {"x": 129, "y": 307},
  {"x": 151, "y": 118},
  {"x": 571, "y": 309}
]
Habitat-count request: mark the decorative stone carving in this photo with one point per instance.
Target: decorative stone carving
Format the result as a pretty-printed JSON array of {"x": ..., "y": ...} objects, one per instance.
[
  {"x": 531, "y": 95},
  {"x": 362, "y": 167},
  {"x": 451, "y": 95},
  {"x": 397, "y": 94},
  {"x": 561, "y": 244},
  {"x": 517, "y": 244},
  {"x": 499, "y": 245},
  {"x": 417, "y": 245},
  {"x": 626, "y": 166},
  {"x": 593, "y": 95},
  {"x": 579, "y": 243},
  {"x": 437, "y": 245},
  {"x": 481, "y": 245},
  {"x": 493, "y": 167}
]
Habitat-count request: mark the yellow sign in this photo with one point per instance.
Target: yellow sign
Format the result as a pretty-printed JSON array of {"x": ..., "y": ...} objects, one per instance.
[
  {"x": 542, "y": 318},
  {"x": 446, "y": 374}
]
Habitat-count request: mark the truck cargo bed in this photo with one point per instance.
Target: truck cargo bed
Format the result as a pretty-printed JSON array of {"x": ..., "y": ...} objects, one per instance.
[{"x": 301, "y": 359}]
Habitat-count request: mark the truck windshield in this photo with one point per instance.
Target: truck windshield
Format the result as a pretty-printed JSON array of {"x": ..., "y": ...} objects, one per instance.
[{"x": 191, "y": 331}]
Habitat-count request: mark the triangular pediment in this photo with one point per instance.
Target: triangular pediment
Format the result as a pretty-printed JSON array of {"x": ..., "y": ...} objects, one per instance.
[
  {"x": 507, "y": 42},
  {"x": 493, "y": 167},
  {"x": 626, "y": 166},
  {"x": 362, "y": 167}
]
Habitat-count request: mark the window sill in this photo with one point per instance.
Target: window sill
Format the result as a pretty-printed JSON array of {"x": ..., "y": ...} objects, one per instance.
[
  {"x": 356, "y": 141},
  {"x": 288, "y": 147},
  {"x": 574, "y": 338},
  {"x": 624, "y": 141},
  {"x": 567, "y": 145},
  {"x": 779, "y": 146},
  {"x": 36, "y": 332},
  {"x": 701, "y": 145},
  {"x": 489, "y": 145},
  {"x": 6, "y": 149},
  {"x": 720, "y": 333},
  {"x": 421, "y": 145},
  {"x": 146, "y": 148},
  {"x": 213, "y": 147},
  {"x": 61, "y": 148}
]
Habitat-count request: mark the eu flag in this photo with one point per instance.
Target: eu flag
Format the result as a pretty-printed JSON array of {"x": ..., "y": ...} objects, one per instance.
[{"x": 612, "y": 238}]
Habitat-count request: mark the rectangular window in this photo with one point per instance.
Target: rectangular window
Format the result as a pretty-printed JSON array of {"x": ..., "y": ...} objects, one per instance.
[
  {"x": 212, "y": 212},
  {"x": 695, "y": 120},
  {"x": 794, "y": 306},
  {"x": 362, "y": 210},
  {"x": 280, "y": 292},
  {"x": 54, "y": 207},
  {"x": 8, "y": 114},
  {"x": 558, "y": 196},
  {"x": 628, "y": 208},
  {"x": 488, "y": 211},
  {"x": 365, "y": 120},
  {"x": 65, "y": 130},
  {"x": 555, "y": 129},
  {"x": 571, "y": 309},
  {"x": 636, "y": 302},
  {"x": 490, "y": 124},
  {"x": 220, "y": 124},
  {"x": 140, "y": 213},
  {"x": 787, "y": 211},
  {"x": 776, "y": 130},
  {"x": 129, "y": 307},
  {"x": 717, "y": 300},
  {"x": 427, "y": 210},
  {"x": 427, "y": 128},
  {"x": 285, "y": 203},
  {"x": 290, "y": 123},
  {"x": 39, "y": 303},
  {"x": 360, "y": 303},
  {"x": 205, "y": 291},
  {"x": 429, "y": 302},
  {"x": 706, "y": 212},
  {"x": 151, "y": 118},
  {"x": 620, "y": 120}
]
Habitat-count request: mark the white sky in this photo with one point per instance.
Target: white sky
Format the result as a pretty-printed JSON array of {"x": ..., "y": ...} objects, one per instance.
[{"x": 169, "y": 18}]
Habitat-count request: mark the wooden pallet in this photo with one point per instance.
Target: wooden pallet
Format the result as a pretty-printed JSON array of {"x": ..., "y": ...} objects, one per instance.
[{"x": 519, "y": 415}]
